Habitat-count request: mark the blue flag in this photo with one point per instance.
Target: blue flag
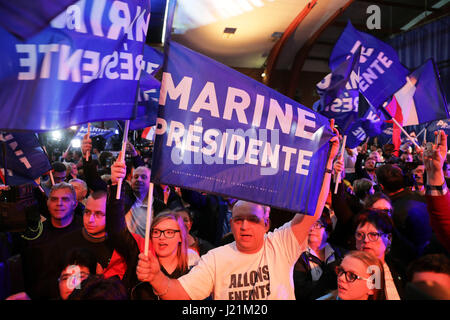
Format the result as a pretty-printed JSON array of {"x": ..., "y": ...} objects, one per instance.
[
  {"x": 25, "y": 159},
  {"x": 93, "y": 132},
  {"x": 422, "y": 100},
  {"x": 437, "y": 125},
  {"x": 25, "y": 18},
  {"x": 221, "y": 132},
  {"x": 370, "y": 123},
  {"x": 149, "y": 86},
  {"x": 381, "y": 73},
  {"x": 83, "y": 67},
  {"x": 339, "y": 93}
]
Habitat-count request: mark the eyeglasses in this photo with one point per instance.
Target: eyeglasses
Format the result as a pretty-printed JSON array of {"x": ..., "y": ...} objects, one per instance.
[
  {"x": 317, "y": 225},
  {"x": 249, "y": 218},
  {"x": 349, "y": 276},
  {"x": 97, "y": 214},
  {"x": 168, "y": 233},
  {"x": 372, "y": 236},
  {"x": 67, "y": 276}
]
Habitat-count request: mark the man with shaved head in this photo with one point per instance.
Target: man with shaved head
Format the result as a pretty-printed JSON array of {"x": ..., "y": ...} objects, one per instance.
[{"x": 256, "y": 266}]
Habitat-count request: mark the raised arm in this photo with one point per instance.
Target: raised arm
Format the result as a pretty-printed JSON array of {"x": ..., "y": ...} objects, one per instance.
[
  {"x": 302, "y": 223},
  {"x": 437, "y": 195},
  {"x": 92, "y": 178}
]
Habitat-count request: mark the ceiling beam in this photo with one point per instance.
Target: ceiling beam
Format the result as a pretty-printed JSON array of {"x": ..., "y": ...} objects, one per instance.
[
  {"x": 276, "y": 50},
  {"x": 303, "y": 53}
]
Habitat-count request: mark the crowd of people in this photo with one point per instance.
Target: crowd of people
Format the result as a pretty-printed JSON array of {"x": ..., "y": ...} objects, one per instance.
[{"x": 383, "y": 235}]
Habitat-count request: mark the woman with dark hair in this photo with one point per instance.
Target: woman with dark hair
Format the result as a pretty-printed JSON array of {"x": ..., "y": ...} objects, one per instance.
[
  {"x": 360, "y": 276},
  {"x": 373, "y": 234},
  {"x": 380, "y": 202},
  {"x": 314, "y": 271}
]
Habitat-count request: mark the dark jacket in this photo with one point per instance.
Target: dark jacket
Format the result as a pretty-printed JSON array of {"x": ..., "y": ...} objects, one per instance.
[
  {"x": 95, "y": 182},
  {"x": 305, "y": 287}
]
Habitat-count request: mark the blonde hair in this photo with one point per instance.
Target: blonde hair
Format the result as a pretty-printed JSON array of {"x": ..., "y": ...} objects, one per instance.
[
  {"x": 368, "y": 259},
  {"x": 182, "y": 251}
]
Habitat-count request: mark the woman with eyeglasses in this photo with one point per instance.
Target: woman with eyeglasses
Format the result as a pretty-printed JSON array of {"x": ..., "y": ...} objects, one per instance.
[
  {"x": 359, "y": 277},
  {"x": 314, "y": 271},
  {"x": 168, "y": 236},
  {"x": 373, "y": 234}
]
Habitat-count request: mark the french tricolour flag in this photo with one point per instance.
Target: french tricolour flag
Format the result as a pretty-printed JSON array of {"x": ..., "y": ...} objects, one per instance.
[
  {"x": 149, "y": 133},
  {"x": 421, "y": 99}
]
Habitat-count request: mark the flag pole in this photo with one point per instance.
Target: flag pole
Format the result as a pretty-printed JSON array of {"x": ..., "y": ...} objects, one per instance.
[
  {"x": 149, "y": 218},
  {"x": 406, "y": 133},
  {"x": 338, "y": 178},
  {"x": 50, "y": 172},
  {"x": 122, "y": 159},
  {"x": 88, "y": 152}
]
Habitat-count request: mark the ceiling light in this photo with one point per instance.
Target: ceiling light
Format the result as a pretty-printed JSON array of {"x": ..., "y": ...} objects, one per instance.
[{"x": 229, "y": 32}]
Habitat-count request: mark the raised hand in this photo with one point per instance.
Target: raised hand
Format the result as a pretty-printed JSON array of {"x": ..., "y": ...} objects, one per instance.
[
  {"x": 118, "y": 170},
  {"x": 131, "y": 150},
  {"x": 148, "y": 267},
  {"x": 86, "y": 144},
  {"x": 338, "y": 165},
  {"x": 334, "y": 142},
  {"x": 434, "y": 157}
]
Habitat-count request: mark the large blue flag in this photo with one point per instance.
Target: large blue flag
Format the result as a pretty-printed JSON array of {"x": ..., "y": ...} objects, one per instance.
[
  {"x": 381, "y": 73},
  {"x": 222, "y": 132},
  {"x": 339, "y": 93},
  {"x": 25, "y": 159},
  {"x": 84, "y": 67}
]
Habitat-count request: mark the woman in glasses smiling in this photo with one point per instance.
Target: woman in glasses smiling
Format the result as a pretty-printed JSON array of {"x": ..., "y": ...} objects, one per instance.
[{"x": 359, "y": 277}]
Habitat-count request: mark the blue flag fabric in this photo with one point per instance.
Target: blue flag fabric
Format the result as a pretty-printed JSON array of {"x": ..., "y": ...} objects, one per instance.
[
  {"x": 339, "y": 93},
  {"x": 148, "y": 97},
  {"x": 221, "y": 132},
  {"x": 381, "y": 73},
  {"x": 369, "y": 124},
  {"x": 429, "y": 99},
  {"x": 83, "y": 67},
  {"x": 25, "y": 18},
  {"x": 443, "y": 125},
  {"x": 94, "y": 132},
  {"x": 25, "y": 159}
]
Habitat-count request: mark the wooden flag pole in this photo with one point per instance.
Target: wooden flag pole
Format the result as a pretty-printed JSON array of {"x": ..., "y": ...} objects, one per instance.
[
  {"x": 338, "y": 178},
  {"x": 50, "y": 172},
  {"x": 122, "y": 159},
  {"x": 88, "y": 152},
  {"x": 149, "y": 218},
  {"x": 406, "y": 133}
]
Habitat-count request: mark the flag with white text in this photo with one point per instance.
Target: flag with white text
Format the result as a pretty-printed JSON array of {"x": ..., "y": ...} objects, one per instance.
[
  {"x": 83, "y": 67},
  {"x": 221, "y": 132}
]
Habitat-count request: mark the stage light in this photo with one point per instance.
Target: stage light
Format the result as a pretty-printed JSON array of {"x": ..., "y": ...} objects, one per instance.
[
  {"x": 56, "y": 135},
  {"x": 76, "y": 143}
]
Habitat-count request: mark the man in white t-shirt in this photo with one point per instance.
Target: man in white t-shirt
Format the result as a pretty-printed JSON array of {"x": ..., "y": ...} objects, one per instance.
[{"x": 257, "y": 265}]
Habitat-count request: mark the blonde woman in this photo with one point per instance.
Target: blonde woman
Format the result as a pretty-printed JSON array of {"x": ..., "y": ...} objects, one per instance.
[{"x": 360, "y": 276}]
